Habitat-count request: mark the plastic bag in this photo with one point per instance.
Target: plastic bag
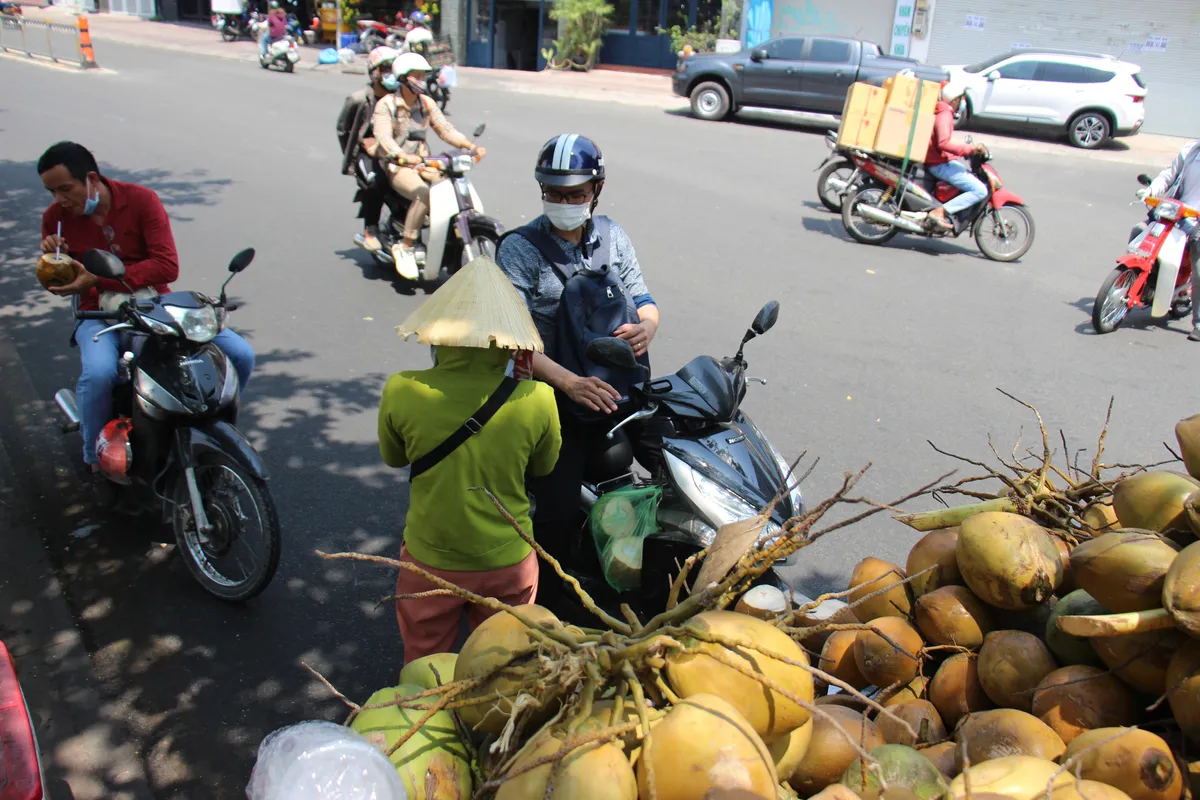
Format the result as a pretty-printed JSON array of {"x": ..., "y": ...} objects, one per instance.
[
  {"x": 322, "y": 761},
  {"x": 620, "y": 521},
  {"x": 448, "y": 77}
]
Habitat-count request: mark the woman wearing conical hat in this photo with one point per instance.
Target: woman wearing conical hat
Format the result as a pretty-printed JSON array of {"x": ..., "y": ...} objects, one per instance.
[{"x": 461, "y": 424}]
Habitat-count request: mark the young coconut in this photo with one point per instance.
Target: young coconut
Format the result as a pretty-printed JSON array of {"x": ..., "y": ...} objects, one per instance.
[
  {"x": 1100, "y": 517},
  {"x": 921, "y": 716},
  {"x": 1077, "y": 699},
  {"x": 1181, "y": 590},
  {"x": 703, "y": 743},
  {"x": 1011, "y": 665},
  {"x": 1187, "y": 433},
  {"x": 1183, "y": 689},
  {"x": 1017, "y": 777},
  {"x": 764, "y": 602},
  {"x": 955, "y": 690},
  {"x": 829, "y": 753},
  {"x": 829, "y": 612},
  {"x": 1068, "y": 649},
  {"x": 789, "y": 750},
  {"x": 952, "y": 615},
  {"x": 1153, "y": 501},
  {"x": 901, "y": 768},
  {"x": 591, "y": 772},
  {"x": 936, "y": 548},
  {"x": 944, "y": 757},
  {"x": 1087, "y": 790},
  {"x": 1004, "y": 732},
  {"x": 1137, "y": 762},
  {"x": 916, "y": 689},
  {"x": 1140, "y": 659},
  {"x": 700, "y": 670},
  {"x": 1068, "y": 583},
  {"x": 1007, "y": 560},
  {"x": 895, "y": 659},
  {"x": 837, "y": 658},
  {"x": 421, "y": 672},
  {"x": 874, "y": 575},
  {"x": 1124, "y": 570}
]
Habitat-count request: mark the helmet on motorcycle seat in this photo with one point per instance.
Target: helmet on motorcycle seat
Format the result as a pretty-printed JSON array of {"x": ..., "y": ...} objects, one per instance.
[
  {"x": 569, "y": 160},
  {"x": 381, "y": 57},
  {"x": 410, "y": 62}
]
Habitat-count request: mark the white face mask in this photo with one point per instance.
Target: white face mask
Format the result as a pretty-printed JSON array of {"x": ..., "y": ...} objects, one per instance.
[{"x": 566, "y": 217}]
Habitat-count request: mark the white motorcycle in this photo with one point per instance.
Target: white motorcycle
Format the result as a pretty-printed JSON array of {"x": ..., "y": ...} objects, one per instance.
[
  {"x": 456, "y": 229},
  {"x": 282, "y": 53}
]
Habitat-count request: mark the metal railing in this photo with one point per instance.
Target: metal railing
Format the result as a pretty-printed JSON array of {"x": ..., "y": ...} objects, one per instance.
[{"x": 57, "y": 41}]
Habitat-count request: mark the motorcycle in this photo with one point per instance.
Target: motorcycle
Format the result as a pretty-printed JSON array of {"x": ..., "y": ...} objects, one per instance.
[
  {"x": 1155, "y": 271},
  {"x": 281, "y": 53},
  {"x": 1001, "y": 224},
  {"x": 839, "y": 175},
  {"x": 373, "y": 33},
  {"x": 456, "y": 229},
  {"x": 717, "y": 466},
  {"x": 173, "y": 442},
  {"x": 236, "y": 26}
]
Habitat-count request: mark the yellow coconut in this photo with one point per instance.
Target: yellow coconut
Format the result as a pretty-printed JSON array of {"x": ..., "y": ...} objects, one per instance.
[
  {"x": 500, "y": 638},
  {"x": 1140, "y": 659},
  {"x": 1153, "y": 500},
  {"x": 1183, "y": 688},
  {"x": 1137, "y": 762},
  {"x": 916, "y": 689},
  {"x": 790, "y": 749},
  {"x": 1101, "y": 517},
  {"x": 1076, "y": 699},
  {"x": 1187, "y": 433},
  {"x": 873, "y": 575},
  {"x": 837, "y": 658},
  {"x": 1017, "y": 777},
  {"x": 891, "y": 660},
  {"x": 429, "y": 671},
  {"x": 602, "y": 714},
  {"x": 955, "y": 690},
  {"x": 1006, "y": 731},
  {"x": 1011, "y": 665},
  {"x": 1007, "y": 560},
  {"x": 1181, "y": 590},
  {"x": 1124, "y": 570},
  {"x": 922, "y": 718},
  {"x": 935, "y": 549},
  {"x": 703, "y": 743},
  {"x": 595, "y": 772},
  {"x": 944, "y": 756},
  {"x": 1088, "y": 790},
  {"x": 952, "y": 615},
  {"x": 700, "y": 672},
  {"x": 829, "y": 752},
  {"x": 1068, "y": 583},
  {"x": 433, "y": 764}
]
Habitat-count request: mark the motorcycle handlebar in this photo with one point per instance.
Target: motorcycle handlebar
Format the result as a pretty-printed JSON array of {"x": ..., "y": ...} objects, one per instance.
[{"x": 101, "y": 315}]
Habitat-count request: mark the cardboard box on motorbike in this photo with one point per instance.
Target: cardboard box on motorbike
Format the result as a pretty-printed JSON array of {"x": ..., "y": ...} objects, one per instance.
[{"x": 884, "y": 119}]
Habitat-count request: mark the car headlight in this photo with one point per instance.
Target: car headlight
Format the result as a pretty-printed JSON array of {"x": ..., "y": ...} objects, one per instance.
[
  {"x": 198, "y": 324},
  {"x": 463, "y": 163},
  {"x": 725, "y": 507}
]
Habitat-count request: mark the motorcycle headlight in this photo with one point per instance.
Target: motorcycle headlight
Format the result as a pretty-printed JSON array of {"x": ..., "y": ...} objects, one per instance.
[
  {"x": 1168, "y": 211},
  {"x": 463, "y": 163},
  {"x": 725, "y": 508},
  {"x": 198, "y": 324}
]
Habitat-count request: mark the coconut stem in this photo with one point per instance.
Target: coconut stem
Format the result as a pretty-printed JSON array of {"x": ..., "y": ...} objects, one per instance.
[
  {"x": 439, "y": 706},
  {"x": 680, "y": 581},
  {"x": 635, "y": 688},
  {"x": 354, "y": 707},
  {"x": 1103, "y": 625},
  {"x": 672, "y": 698},
  {"x": 585, "y": 710},
  {"x": 955, "y": 515}
]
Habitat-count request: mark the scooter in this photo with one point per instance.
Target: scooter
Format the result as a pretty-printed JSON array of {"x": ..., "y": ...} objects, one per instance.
[
  {"x": 173, "y": 443},
  {"x": 1001, "y": 224},
  {"x": 456, "y": 230},
  {"x": 1155, "y": 270},
  {"x": 717, "y": 466},
  {"x": 281, "y": 53},
  {"x": 236, "y": 26}
]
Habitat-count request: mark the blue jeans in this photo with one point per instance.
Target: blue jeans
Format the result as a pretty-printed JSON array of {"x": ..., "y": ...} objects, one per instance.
[
  {"x": 93, "y": 392},
  {"x": 958, "y": 176}
]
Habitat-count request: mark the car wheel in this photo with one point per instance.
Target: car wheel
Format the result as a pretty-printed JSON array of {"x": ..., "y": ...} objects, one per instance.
[
  {"x": 1089, "y": 130},
  {"x": 710, "y": 101}
]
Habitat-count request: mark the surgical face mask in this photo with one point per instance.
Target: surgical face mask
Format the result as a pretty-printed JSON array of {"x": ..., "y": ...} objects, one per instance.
[
  {"x": 566, "y": 217},
  {"x": 89, "y": 206},
  {"x": 391, "y": 82}
]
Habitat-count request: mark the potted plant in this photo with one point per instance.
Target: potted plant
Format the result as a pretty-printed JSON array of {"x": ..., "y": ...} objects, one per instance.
[{"x": 584, "y": 24}]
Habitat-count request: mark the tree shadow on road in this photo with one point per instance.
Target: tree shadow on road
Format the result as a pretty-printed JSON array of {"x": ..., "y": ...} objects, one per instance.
[
  {"x": 372, "y": 270},
  {"x": 1136, "y": 320}
]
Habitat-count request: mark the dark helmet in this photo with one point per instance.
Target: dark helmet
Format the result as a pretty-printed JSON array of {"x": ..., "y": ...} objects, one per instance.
[{"x": 569, "y": 160}]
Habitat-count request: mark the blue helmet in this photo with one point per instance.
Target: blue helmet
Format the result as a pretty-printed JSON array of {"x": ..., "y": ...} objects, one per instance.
[
  {"x": 418, "y": 17},
  {"x": 569, "y": 160}
]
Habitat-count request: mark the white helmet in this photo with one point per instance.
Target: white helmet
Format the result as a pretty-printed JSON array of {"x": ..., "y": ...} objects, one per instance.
[
  {"x": 952, "y": 90},
  {"x": 410, "y": 62}
]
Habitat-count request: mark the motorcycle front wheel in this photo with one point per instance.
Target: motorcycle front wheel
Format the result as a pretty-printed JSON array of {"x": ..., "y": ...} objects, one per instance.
[
  {"x": 237, "y": 559},
  {"x": 863, "y": 230},
  {"x": 1004, "y": 234},
  {"x": 841, "y": 170},
  {"x": 1112, "y": 301}
]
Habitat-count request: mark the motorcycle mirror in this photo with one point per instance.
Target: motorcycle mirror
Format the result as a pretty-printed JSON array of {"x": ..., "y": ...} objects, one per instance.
[
  {"x": 103, "y": 264},
  {"x": 766, "y": 318},
  {"x": 241, "y": 260},
  {"x": 479, "y": 129},
  {"x": 613, "y": 353},
  {"x": 1144, "y": 179}
]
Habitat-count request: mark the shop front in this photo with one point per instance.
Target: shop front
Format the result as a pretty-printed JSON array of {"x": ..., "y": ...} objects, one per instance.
[{"x": 509, "y": 34}]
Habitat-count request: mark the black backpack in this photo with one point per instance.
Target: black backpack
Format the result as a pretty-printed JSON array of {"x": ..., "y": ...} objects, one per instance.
[{"x": 594, "y": 304}]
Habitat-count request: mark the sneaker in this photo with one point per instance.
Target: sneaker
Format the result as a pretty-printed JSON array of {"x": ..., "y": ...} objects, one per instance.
[
  {"x": 370, "y": 242},
  {"x": 406, "y": 262},
  {"x": 1195, "y": 334}
]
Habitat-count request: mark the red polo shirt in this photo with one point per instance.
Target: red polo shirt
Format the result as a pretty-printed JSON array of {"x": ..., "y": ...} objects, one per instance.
[{"x": 136, "y": 230}]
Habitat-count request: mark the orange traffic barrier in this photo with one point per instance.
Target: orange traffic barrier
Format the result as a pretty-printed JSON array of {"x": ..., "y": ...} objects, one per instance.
[{"x": 87, "y": 56}]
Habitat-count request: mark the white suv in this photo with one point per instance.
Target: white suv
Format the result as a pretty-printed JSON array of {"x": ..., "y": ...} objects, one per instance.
[{"x": 1092, "y": 97}]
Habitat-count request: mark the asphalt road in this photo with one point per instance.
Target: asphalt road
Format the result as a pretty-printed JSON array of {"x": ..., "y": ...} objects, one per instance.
[{"x": 876, "y": 351}]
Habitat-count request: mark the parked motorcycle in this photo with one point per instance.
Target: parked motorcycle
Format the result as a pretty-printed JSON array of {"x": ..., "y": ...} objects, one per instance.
[
  {"x": 373, "y": 33},
  {"x": 717, "y": 466},
  {"x": 1001, "y": 224},
  {"x": 174, "y": 443},
  {"x": 1155, "y": 270},
  {"x": 236, "y": 26},
  {"x": 456, "y": 229},
  {"x": 839, "y": 175}
]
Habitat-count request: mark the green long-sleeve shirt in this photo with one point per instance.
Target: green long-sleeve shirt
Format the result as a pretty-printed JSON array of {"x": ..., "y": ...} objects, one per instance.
[{"x": 449, "y": 527}]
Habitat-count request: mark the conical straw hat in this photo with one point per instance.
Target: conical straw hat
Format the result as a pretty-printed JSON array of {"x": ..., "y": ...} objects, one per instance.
[{"x": 477, "y": 307}]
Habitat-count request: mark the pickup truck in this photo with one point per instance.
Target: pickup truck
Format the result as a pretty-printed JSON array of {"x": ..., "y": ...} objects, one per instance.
[{"x": 810, "y": 73}]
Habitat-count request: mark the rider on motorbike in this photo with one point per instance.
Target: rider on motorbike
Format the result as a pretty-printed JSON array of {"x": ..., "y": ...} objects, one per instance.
[
  {"x": 276, "y": 28},
  {"x": 941, "y": 159},
  {"x": 354, "y": 135},
  {"x": 1181, "y": 181},
  {"x": 400, "y": 124}
]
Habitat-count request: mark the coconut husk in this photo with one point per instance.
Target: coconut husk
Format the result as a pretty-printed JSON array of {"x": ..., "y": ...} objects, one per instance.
[
  {"x": 936, "y": 548},
  {"x": 732, "y": 542},
  {"x": 1187, "y": 433},
  {"x": 1153, "y": 500},
  {"x": 1124, "y": 569},
  {"x": 872, "y": 576},
  {"x": 1011, "y": 665},
  {"x": 1181, "y": 590},
  {"x": 1074, "y": 700},
  {"x": 56, "y": 270},
  {"x": 1137, "y": 762},
  {"x": 477, "y": 307},
  {"x": 1183, "y": 688}
]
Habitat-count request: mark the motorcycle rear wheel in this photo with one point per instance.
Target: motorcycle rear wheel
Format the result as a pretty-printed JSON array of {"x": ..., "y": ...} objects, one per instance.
[
  {"x": 831, "y": 199},
  {"x": 228, "y": 35},
  {"x": 863, "y": 230},
  {"x": 1111, "y": 306}
]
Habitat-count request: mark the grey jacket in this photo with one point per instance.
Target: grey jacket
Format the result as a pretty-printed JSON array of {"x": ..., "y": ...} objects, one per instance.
[{"x": 1170, "y": 180}]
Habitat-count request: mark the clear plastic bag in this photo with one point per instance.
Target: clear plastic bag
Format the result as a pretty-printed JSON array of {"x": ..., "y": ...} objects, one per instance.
[
  {"x": 322, "y": 761},
  {"x": 620, "y": 521}
]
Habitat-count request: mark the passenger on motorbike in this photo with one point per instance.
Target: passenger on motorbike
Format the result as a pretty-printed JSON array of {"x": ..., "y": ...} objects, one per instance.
[
  {"x": 129, "y": 221},
  {"x": 400, "y": 124},
  {"x": 941, "y": 158},
  {"x": 1181, "y": 181},
  {"x": 354, "y": 135}
]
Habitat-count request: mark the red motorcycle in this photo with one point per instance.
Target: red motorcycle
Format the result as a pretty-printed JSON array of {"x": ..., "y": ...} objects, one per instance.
[
  {"x": 372, "y": 33},
  {"x": 1155, "y": 271},
  {"x": 21, "y": 774},
  {"x": 891, "y": 203}
]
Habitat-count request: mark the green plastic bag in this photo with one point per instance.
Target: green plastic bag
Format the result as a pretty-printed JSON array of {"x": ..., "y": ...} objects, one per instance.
[{"x": 620, "y": 521}]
